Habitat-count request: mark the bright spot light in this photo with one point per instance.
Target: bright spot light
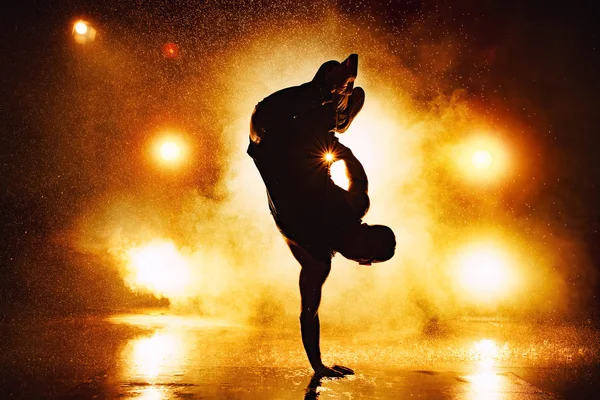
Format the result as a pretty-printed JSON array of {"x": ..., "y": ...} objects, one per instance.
[
  {"x": 329, "y": 157},
  {"x": 83, "y": 32},
  {"x": 339, "y": 175},
  {"x": 159, "y": 268},
  {"x": 170, "y": 50},
  {"x": 483, "y": 272},
  {"x": 486, "y": 351},
  {"x": 170, "y": 151},
  {"x": 81, "y": 28},
  {"x": 481, "y": 159}
]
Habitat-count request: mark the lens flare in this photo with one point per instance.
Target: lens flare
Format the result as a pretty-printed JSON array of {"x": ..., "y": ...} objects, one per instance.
[
  {"x": 329, "y": 157},
  {"x": 159, "y": 268},
  {"x": 170, "y": 151},
  {"x": 481, "y": 159},
  {"x": 484, "y": 273}
]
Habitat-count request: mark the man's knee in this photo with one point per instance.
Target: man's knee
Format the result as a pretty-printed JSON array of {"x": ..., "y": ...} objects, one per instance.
[{"x": 309, "y": 263}]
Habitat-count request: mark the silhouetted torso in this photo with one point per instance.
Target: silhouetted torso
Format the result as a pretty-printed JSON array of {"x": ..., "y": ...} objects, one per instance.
[{"x": 305, "y": 203}]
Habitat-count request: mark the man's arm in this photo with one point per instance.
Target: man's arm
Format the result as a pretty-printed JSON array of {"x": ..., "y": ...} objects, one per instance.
[
  {"x": 358, "y": 188},
  {"x": 356, "y": 173}
]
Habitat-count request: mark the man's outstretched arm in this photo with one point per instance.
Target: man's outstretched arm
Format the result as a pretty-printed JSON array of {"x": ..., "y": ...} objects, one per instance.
[{"x": 312, "y": 277}]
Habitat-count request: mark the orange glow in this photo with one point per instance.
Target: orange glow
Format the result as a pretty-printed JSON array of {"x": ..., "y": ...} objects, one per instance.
[
  {"x": 83, "y": 32},
  {"x": 487, "y": 352},
  {"x": 389, "y": 137},
  {"x": 159, "y": 319},
  {"x": 329, "y": 157},
  {"x": 481, "y": 159},
  {"x": 81, "y": 28},
  {"x": 486, "y": 385},
  {"x": 156, "y": 359},
  {"x": 149, "y": 354},
  {"x": 170, "y": 50},
  {"x": 484, "y": 272},
  {"x": 170, "y": 149},
  {"x": 158, "y": 267}
]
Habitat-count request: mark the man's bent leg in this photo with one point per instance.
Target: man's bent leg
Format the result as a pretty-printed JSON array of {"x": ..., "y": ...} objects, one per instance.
[{"x": 312, "y": 277}]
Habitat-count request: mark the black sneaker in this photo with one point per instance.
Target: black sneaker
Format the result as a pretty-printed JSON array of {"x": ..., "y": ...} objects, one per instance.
[{"x": 348, "y": 106}]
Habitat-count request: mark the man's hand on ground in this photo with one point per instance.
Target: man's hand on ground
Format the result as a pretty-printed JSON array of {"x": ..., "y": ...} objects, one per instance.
[
  {"x": 337, "y": 371},
  {"x": 343, "y": 370},
  {"x": 327, "y": 372}
]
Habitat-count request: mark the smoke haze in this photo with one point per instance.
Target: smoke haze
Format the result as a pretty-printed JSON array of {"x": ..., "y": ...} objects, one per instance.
[{"x": 425, "y": 82}]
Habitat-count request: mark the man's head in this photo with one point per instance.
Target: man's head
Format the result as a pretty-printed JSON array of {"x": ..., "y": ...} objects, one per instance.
[{"x": 369, "y": 244}]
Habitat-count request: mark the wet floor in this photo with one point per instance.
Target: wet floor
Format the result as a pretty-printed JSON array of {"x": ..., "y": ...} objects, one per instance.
[{"x": 156, "y": 355}]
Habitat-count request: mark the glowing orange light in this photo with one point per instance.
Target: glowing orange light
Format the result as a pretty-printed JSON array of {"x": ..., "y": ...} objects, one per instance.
[
  {"x": 484, "y": 272},
  {"x": 486, "y": 351},
  {"x": 170, "y": 50},
  {"x": 329, "y": 157},
  {"x": 81, "y": 27},
  {"x": 83, "y": 32},
  {"x": 481, "y": 159},
  {"x": 158, "y": 267},
  {"x": 170, "y": 151}
]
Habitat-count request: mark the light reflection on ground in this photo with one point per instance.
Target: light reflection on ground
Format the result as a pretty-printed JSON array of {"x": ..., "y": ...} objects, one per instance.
[
  {"x": 149, "y": 356},
  {"x": 157, "y": 355},
  {"x": 485, "y": 385},
  {"x": 180, "y": 356},
  {"x": 163, "y": 319}
]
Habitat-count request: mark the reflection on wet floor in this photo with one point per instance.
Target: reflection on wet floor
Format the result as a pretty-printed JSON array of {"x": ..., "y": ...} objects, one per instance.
[
  {"x": 160, "y": 356},
  {"x": 485, "y": 383},
  {"x": 148, "y": 356},
  {"x": 189, "y": 356}
]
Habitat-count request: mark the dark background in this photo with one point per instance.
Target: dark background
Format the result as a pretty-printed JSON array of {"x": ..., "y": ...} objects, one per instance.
[{"x": 534, "y": 62}]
